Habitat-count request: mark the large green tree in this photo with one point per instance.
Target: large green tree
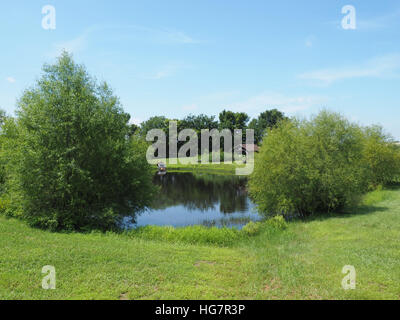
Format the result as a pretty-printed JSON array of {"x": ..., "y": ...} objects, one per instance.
[
  {"x": 198, "y": 123},
  {"x": 266, "y": 120},
  {"x": 157, "y": 122},
  {"x": 320, "y": 165},
  {"x": 233, "y": 120},
  {"x": 74, "y": 164}
]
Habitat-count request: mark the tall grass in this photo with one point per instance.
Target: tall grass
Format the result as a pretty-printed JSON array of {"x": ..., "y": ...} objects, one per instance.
[{"x": 205, "y": 235}]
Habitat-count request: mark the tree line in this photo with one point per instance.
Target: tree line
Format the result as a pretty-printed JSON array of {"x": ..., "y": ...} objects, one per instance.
[
  {"x": 70, "y": 160},
  {"x": 226, "y": 120}
]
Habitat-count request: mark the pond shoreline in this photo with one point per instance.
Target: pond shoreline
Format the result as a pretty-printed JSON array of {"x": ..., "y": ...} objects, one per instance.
[{"x": 192, "y": 198}]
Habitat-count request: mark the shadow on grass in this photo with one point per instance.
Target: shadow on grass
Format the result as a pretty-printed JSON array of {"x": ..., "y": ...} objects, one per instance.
[
  {"x": 358, "y": 210},
  {"x": 393, "y": 186},
  {"x": 345, "y": 213}
]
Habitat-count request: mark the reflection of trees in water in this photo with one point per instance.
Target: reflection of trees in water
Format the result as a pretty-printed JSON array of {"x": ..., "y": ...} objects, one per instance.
[
  {"x": 228, "y": 221},
  {"x": 201, "y": 192}
]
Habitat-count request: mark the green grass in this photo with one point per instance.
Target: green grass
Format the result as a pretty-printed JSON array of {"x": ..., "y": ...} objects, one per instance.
[
  {"x": 303, "y": 261},
  {"x": 225, "y": 169},
  {"x": 220, "y": 169}
]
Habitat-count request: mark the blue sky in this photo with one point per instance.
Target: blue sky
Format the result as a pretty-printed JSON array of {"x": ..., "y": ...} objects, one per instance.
[{"x": 173, "y": 58}]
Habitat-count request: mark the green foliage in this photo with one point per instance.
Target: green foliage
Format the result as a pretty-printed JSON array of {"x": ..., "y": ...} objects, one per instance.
[
  {"x": 320, "y": 165},
  {"x": 382, "y": 157},
  {"x": 192, "y": 235},
  {"x": 158, "y": 122},
  {"x": 233, "y": 120},
  {"x": 270, "y": 265},
  {"x": 266, "y": 120},
  {"x": 277, "y": 222},
  {"x": 3, "y": 117},
  {"x": 70, "y": 160},
  {"x": 252, "y": 228},
  {"x": 198, "y": 123},
  {"x": 133, "y": 130},
  {"x": 206, "y": 235},
  {"x": 378, "y": 195}
]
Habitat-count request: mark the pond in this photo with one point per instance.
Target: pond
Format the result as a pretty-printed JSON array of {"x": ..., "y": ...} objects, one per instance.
[{"x": 187, "y": 199}]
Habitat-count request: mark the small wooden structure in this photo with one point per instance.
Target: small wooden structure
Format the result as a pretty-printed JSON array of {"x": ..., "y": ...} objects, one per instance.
[
  {"x": 247, "y": 148},
  {"x": 162, "y": 167}
]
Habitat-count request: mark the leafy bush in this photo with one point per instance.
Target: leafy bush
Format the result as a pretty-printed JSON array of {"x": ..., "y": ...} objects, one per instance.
[
  {"x": 70, "y": 159},
  {"x": 277, "y": 222},
  {"x": 252, "y": 228},
  {"x": 320, "y": 165},
  {"x": 378, "y": 195},
  {"x": 382, "y": 157}
]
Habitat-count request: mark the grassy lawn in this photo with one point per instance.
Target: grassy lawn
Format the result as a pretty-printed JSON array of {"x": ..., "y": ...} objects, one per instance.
[
  {"x": 221, "y": 169},
  {"x": 302, "y": 262}
]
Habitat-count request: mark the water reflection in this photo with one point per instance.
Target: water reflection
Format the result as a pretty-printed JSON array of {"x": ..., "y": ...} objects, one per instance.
[{"x": 192, "y": 199}]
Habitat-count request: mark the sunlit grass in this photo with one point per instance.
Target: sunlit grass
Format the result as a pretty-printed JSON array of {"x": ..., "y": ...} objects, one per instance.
[
  {"x": 303, "y": 261},
  {"x": 195, "y": 165}
]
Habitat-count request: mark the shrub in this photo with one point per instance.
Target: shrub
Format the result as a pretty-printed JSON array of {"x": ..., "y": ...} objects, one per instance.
[
  {"x": 310, "y": 166},
  {"x": 252, "y": 228},
  {"x": 382, "y": 157},
  {"x": 277, "y": 222},
  {"x": 71, "y": 160}
]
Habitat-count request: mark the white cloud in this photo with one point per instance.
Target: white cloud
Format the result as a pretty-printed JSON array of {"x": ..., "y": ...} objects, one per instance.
[
  {"x": 309, "y": 42},
  {"x": 191, "y": 107},
  {"x": 287, "y": 104},
  {"x": 221, "y": 95},
  {"x": 141, "y": 33},
  {"x": 154, "y": 35},
  {"x": 75, "y": 45},
  {"x": 11, "y": 80},
  {"x": 172, "y": 36},
  {"x": 148, "y": 34},
  {"x": 135, "y": 121},
  {"x": 378, "y": 22},
  {"x": 380, "y": 67},
  {"x": 166, "y": 71}
]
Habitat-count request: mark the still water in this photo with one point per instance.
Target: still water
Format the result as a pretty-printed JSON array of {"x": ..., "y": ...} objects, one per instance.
[{"x": 187, "y": 199}]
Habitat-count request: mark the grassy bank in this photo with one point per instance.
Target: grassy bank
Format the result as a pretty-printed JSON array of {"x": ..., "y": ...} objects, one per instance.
[
  {"x": 223, "y": 169},
  {"x": 220, "y": 169},
  {"x": 303, "y": 261}
]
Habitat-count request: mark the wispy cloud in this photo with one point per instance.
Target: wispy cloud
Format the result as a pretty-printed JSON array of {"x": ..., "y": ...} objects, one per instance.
[
  {"x": 166, "y": 71},
  {"x": 380, "y": 67},
  {"x": 379, "y": 22},
  {"x": 11, "y": 80},
  {"x": 135, "y": 121},
  {"x": 191, "y": 107},
  {"x": 74, "y": 45},
  {"x": 167, "y": 36},
  {"x": 309, "y": 42},
  {"x": 288, "y": 104},
  {"x": 138, "y": 33}
]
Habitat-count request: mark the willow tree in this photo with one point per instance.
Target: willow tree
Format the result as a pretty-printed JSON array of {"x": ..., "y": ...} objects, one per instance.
[
  {"x": 321, "y": 165},
  {"x": 75, "y": 165}
]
